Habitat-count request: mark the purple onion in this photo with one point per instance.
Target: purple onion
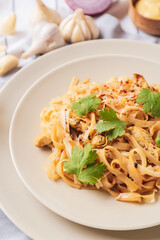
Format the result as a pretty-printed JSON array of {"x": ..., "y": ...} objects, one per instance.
[{"x": 90, "y": 7}]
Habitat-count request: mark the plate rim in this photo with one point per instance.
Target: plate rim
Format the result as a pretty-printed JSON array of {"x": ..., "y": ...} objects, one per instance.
[
  {"x": 150, "y": 46},
  {"x": 114, "y": 40},
  {"x": 28, "y": 186}
]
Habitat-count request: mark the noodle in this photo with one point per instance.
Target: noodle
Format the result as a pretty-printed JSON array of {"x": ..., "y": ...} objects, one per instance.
[{"x": 132, "y": 160}]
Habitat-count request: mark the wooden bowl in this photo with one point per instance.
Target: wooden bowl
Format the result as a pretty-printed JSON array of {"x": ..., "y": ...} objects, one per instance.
[{"x": 151, "y": 26}]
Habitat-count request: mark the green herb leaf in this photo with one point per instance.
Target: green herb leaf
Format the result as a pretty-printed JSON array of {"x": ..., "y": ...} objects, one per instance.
[
  {"x": 85, "y": 105},
  {"x": 89, "y": 156},
  {"x": 158, "y": 140},
  {"x": 92, "y": 173},
  {"x": 111, "y": 123},
  {"x": 73, "y": 165},
  {"x": 150, "y": 101},
  {"x": 108, "y": 114},
  {"x": 83, "y": 164}
]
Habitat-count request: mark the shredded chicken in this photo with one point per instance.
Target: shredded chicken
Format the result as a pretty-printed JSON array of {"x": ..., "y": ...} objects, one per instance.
[
  {"x": 145, "y": 140},
  {"x": 139, "y": 82},
  {"x": 41, "y": 140},
  {"x": 80, "y": 124}
]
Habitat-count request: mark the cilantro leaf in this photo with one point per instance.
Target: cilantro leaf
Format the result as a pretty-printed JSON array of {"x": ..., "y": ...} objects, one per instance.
[
  {"x": 83, "y": 164},
  {"x": 111, "y": 123},
  {"x": 92, "y": 173},
  {"x": 108, "y": 114},
  {"x": 158, "y": 140},
  {"x": 150, "y": 101},
  {"x": 89, "y": 156},
  {"x": 85, "y": 105},
  {"x": 74, "y": 161}
]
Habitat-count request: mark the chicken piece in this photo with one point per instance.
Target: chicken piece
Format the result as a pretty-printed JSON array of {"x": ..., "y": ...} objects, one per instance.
[
  {"x": 80, "y": 124},
  {"x": 50, "y": 145},
  {"x": 41, "y": 140},
  {"x": 139, "y": 82},
  {"x": 141, "y": 135},
  {"x": 145, "y": 140}
]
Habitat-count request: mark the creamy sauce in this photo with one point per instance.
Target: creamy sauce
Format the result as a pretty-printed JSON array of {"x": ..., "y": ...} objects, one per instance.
[{"x": 149, "y": 8}]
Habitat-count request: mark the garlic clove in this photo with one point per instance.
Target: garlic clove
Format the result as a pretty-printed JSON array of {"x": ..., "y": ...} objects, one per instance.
[
  {"x": 67, "y": 30},
  {"x": 7, "y": 63},
  {"x": 93, "y": 28},
  {"x": 2, "y": 48},
  {"x": 78, "y": 14},
  {"x": 8, "y": 24},
  {"x": 85, "y": 29},
  {"x": 43, "y": 13},
  {"x": 64, "y": 22},
  {"x": 46, "y": 37},
  {"x": 77, "y": 35}
]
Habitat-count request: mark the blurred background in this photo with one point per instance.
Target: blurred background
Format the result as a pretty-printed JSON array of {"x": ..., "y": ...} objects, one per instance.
[{"x": 17, "y": 28}]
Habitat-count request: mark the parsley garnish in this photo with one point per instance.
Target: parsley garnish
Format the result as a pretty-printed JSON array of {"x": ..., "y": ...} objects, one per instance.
[
  {"x": 83, "y": 164},
  {"x": 85, "y": 105},
  {"x": 111, "y": 123},
  {"x": 158, "y": 140},
  {"x": 150, "y": 101}
]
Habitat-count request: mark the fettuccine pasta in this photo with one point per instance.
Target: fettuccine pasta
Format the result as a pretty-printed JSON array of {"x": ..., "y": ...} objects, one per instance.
[{"x": 132, "y": 160}]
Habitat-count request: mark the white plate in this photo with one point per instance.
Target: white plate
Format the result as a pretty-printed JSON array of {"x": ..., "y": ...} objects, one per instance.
[
  {"x": 15, "y": 200},
  {"x": 81, "y": 206}
]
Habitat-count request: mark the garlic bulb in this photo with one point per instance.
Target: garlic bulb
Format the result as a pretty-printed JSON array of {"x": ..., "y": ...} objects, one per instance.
[
  {"x": 43, "y": 13},
  {"x": 8, "y": 24},
  {"x": 78, "y": 27},
  {"x": 7, "y": 63},
  {"x": 46, "y": 37}
]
